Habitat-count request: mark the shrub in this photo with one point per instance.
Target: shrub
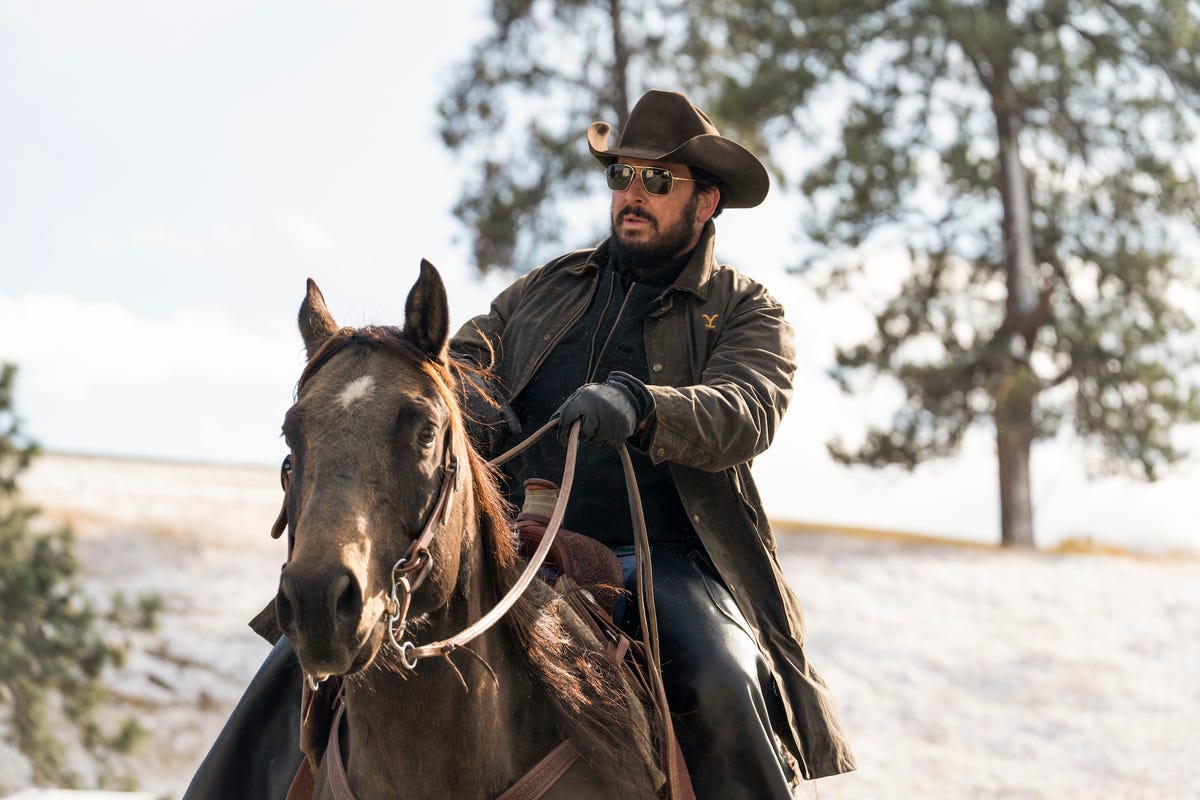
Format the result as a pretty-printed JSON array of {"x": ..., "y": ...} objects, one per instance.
[{"x": 56, "y": 641}]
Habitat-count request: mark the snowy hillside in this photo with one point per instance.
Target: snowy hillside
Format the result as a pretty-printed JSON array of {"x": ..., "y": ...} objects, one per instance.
[{"x": 961, "y": 671}]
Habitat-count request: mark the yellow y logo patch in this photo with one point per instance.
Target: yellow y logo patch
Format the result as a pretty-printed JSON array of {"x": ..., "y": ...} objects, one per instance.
[{"x": 710, "y": 321}]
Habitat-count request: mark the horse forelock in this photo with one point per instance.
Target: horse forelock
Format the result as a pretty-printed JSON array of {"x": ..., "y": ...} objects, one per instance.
[{"x": 377, "y": 336}]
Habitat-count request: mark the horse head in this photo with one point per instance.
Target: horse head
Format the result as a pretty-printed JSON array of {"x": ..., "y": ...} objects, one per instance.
[{"x": 375, "y": 436}]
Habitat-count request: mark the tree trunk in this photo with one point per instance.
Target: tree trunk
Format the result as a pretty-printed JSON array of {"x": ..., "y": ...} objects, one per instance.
[
  {"x": 1014, "y": 438},
  {"x": 1018, "y": 387},
  {"x": 620, "y": 72}
]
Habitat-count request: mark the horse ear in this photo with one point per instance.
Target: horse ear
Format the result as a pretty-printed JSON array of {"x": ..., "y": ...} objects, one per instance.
[
  {"x": 427, "y": 313},
  {"x": 316, "y": 323}
]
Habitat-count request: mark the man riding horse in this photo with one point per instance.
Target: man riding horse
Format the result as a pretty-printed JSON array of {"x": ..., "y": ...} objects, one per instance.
[{"x": 646, "y": 341}]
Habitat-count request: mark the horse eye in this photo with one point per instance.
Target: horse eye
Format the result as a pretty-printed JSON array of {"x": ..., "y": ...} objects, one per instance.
[
  {"x": 427, "y": 436},
  {"x": 285, "y": 471}
]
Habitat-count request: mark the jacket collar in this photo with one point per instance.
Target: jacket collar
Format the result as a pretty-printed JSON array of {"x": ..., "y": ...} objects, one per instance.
[
  {"x": 701, "y": 266},
  {"x": 695, "y": 275}
]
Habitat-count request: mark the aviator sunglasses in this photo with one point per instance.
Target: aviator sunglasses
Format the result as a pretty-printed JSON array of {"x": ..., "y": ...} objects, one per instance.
[{"x": 656, "y": 179}]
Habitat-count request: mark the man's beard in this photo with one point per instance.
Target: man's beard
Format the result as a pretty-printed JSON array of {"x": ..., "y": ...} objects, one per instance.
[{"x": 642, "y": 256}]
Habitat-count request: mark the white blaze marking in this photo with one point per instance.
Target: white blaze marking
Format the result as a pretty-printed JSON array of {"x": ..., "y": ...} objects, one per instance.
[{"x": 356, "y": 390}]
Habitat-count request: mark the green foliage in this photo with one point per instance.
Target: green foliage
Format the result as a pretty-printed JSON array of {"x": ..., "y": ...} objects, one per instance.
[
  {"x": 57, "y": 641},
  {"x": 1099, "y": 101}
]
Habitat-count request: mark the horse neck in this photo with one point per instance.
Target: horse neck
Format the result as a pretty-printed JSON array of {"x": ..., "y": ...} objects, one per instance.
[{"x": 426, "y": 728}]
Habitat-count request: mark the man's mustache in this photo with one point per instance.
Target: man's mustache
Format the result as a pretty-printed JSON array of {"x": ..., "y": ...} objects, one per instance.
[{"x": 637, "y": 211}]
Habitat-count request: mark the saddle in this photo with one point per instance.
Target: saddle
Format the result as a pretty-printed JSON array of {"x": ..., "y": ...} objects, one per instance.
[{"x": 586, "y": 563}]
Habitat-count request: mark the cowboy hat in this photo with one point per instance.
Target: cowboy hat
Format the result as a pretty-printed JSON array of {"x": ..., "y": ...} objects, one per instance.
[{"x": 665, "y": 126}]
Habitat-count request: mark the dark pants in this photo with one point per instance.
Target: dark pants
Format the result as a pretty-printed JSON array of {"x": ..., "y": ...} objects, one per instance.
[{"x": 718, "y": 685}]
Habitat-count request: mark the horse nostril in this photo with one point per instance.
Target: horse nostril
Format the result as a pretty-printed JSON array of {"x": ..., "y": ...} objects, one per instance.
[
  {"x": 284, "y": 605},
  {"x": 346, "y": 600}
]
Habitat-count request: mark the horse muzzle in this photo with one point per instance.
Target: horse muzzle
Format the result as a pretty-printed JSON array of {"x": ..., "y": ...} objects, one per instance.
[{"x": 321, "y": 612}]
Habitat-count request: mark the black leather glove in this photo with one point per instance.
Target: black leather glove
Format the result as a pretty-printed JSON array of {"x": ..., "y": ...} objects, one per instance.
[{"x": 609, "y": 412}]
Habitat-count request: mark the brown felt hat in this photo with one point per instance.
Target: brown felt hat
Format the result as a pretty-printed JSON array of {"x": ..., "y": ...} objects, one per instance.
[{"x": 665, "y": 126}]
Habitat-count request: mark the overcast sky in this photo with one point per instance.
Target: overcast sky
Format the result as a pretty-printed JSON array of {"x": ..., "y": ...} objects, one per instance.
[{"x": 172, "y": 172}]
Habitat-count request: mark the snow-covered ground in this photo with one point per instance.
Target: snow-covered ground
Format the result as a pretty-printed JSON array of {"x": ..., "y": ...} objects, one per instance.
[{"x": 961, "y": 671}]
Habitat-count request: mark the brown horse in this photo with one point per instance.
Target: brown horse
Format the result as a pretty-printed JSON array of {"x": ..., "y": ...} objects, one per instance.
[{"x": 376, "y": 438}]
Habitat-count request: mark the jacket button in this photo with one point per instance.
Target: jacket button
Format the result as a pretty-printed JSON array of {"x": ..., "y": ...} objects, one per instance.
[
  {"x": 660, "y": 452},
  {"x": 657, "y": 368},
  {"x": 696, "y": 518}
]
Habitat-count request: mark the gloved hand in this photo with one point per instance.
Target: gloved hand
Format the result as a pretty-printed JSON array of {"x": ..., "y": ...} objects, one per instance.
[{"x": 609, "y": 412}]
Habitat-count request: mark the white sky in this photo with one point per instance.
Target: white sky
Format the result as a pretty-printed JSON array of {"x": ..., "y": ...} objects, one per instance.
[{"x": 170, "y": 173}]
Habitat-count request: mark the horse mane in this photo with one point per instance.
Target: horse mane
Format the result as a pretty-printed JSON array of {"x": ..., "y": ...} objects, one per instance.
[{"x": 579, "y": 679}]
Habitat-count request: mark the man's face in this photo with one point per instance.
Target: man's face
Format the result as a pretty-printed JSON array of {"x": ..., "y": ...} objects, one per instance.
[{"x": 652, "y": 228}]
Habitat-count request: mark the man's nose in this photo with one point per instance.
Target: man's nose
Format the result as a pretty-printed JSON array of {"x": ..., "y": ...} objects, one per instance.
[{"x": 636, "y": 191}]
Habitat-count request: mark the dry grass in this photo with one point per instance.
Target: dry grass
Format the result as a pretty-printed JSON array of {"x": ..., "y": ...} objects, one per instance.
[
  {"x": 1084, "y": 545},
  {"x": 792, "y": 527}
]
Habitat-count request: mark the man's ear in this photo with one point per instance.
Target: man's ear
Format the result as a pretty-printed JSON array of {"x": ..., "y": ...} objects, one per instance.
[{"x": 710, "y": 197}]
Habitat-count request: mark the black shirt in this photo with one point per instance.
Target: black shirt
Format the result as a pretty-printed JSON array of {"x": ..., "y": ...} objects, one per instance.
[{"x": 609, "y": 336}]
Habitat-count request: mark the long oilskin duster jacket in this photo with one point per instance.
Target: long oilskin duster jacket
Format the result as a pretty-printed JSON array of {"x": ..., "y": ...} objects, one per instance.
[{"x": 721, "y": 358}]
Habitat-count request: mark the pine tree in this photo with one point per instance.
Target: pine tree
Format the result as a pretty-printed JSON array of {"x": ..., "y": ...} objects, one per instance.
[{"x": 1031, "y": 158}]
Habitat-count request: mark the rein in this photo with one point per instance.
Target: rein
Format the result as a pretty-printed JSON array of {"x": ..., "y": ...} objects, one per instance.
[{"x": 678, "y": 784}]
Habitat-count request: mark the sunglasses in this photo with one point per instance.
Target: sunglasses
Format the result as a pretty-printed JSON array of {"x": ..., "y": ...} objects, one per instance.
[{"x": 656, "y": 180}]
